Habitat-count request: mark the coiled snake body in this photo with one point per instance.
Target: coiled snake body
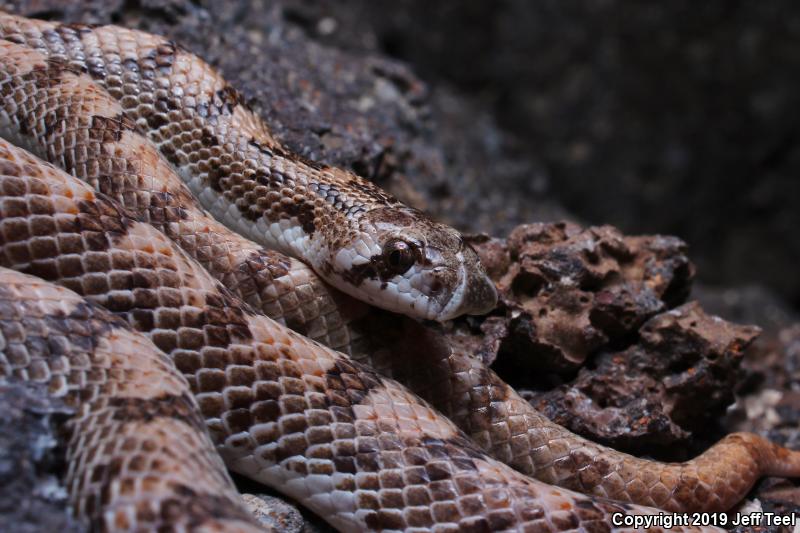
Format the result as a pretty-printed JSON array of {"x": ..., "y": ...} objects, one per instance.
[{"x": 132, "y": 251}]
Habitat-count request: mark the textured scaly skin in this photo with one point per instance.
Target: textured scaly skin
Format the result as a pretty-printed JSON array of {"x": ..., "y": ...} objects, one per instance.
[
  {"x": 90, "y": 137},
  {"x": 341, "y": 225},
  {"x": 356, "y": 448},
  {"x": 511, "y": 430},
  {"x": 138, "y": 452}
]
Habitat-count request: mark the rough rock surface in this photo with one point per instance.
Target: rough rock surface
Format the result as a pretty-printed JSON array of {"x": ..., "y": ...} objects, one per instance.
[
  {"x": 646, "y": 398},
  {"x": 32, "y": 497},
  {"x": 769, "y": 404},
  {"x": 566, "y": 292},
  {"x": 772, "y": 400},
  {"x": 593, "y": 310},
  {"x": 278, "y": 515}
]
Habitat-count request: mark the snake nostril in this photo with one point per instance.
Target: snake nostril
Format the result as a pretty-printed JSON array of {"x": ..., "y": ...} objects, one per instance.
[{"x": 436, "y": 287}]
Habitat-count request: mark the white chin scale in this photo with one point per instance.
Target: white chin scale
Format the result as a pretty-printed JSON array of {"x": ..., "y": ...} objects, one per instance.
[{"x": 398, "y": 296}]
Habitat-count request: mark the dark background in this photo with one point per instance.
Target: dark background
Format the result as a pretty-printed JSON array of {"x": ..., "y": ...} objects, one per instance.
[
  {"x": 670, "y": 117},
  {"x": 673, "y": 117}
]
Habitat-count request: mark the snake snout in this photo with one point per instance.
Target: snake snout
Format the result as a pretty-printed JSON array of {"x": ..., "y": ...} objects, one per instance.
[
  {"x": 481, "y": 295},
  {"x": 476, "y": 294}
]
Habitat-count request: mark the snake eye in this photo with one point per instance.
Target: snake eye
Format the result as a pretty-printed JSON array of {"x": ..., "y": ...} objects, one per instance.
[{"x": 399, "y": 256}]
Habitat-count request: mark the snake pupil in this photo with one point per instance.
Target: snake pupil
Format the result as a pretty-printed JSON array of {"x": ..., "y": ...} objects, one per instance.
[
  {"x": 395, "y": 258},
  {"x": 399, "y": 256}
]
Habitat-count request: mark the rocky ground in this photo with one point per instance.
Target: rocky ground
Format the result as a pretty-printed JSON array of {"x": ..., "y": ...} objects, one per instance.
[{"x": 503, "y": 118}]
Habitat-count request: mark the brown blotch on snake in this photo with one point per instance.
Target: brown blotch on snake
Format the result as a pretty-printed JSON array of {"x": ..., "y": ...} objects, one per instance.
[
  {"x": 145, "y": 87},
  {"x": 49, "y": 335},
  {"x": 175, "y": 406},
  {"x": 357, "y": 188},
  {"x": 392, "y": 436},
  {"x": 110, "y": 129}
]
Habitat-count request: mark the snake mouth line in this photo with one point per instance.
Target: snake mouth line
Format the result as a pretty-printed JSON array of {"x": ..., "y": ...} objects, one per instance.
[
  {"x": 454, "y": 304},
  {"x": 476, "y": 293}
]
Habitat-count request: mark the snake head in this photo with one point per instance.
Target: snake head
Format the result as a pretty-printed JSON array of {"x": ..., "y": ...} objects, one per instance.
[{"x": 399, "y": 259}]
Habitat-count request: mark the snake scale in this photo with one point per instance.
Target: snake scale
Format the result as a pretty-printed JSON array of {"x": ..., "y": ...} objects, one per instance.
[{"x": 148, "y": 127}]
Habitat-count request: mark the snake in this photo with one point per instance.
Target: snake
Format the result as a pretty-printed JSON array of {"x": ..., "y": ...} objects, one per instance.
[
  {"x": 151, "y": 130},
  {"x": 121, "y": 386}
]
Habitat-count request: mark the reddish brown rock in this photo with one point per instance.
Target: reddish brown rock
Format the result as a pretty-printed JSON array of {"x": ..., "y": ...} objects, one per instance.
[
  {"x": 584, "y": 319},
  {"x": 647, "y": 397},
  {"x": 567, "y": 292}
]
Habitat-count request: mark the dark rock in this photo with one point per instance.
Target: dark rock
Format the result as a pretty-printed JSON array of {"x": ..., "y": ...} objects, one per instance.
[
  {"x": 32, "y": 495},
  {"x": 629, "y": 115},
  {"x": 772, "y": 400},
  {"x": 769, "y": 501}
]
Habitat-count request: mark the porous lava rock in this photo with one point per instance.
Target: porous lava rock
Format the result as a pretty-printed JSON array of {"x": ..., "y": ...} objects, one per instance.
[
  {"x": 567, "y": 291},
  {"x": 676, "y": 381}
]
